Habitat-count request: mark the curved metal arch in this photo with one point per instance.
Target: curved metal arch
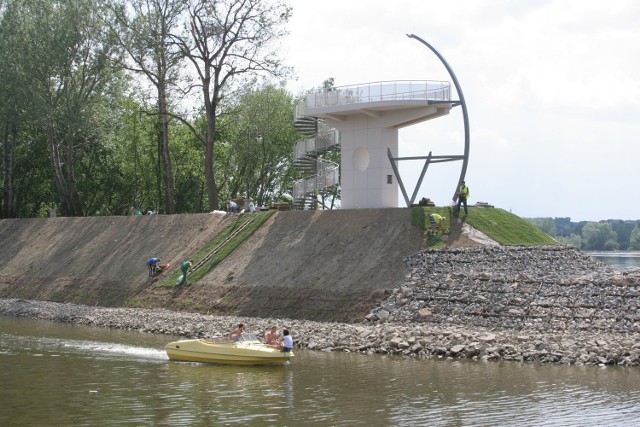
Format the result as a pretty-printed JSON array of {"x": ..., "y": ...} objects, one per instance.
[{"x": 463, "y": 104}]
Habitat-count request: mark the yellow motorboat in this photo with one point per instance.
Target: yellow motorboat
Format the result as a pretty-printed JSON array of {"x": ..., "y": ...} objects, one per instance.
[{"x": 245, "y": 349}]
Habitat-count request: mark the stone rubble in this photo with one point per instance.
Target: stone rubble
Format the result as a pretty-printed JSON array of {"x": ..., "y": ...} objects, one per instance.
[{"x": 549, "y": 304}]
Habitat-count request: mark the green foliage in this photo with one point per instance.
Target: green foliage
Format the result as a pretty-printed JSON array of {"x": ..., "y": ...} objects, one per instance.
[
  {"x": 84, "y": 134},
  {"x": 617, "y": 235},
  {"x": 634, "y": 243},
  {"x": 564, "y": 226},
  {"x": 257, "y": 140},
  {"x": 33, "y": 192},
  {"x": 599, "y": 235},
  {"x": 546, "y": 225},
  {"x": 623, "y": 230},
  {"x": 63, "y": 83},
  {"x": 186, "y": 153},
  {"x": 611, "y": 245},
  {"x": 573, "y": 239}
]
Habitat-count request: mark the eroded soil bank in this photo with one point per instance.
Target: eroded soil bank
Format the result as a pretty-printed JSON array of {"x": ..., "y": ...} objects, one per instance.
[{"x": 316, "y": 265}]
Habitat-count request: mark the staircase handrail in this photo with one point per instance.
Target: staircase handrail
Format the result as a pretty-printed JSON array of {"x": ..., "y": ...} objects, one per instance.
[
  {"x": 322, "y": 142},
  {"x": 327, "y": 176}
]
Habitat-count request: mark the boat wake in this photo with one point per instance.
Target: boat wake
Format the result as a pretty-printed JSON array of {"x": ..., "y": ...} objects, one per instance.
[
  {"x": 56, "y": 347},
  {"x": 117, "y": 349}
]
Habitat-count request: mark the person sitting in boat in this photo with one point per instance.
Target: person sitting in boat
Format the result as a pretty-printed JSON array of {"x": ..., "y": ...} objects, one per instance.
[
  {"x": 237, "y": 332},
  {"x": 287, "y": 341},
  {"x": 271, "y": 337}
]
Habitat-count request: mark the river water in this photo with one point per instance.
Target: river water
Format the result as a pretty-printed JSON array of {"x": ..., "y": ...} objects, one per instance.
[
  {"x": 618, "y": 259},
  {"x": 63, "y": 375}
]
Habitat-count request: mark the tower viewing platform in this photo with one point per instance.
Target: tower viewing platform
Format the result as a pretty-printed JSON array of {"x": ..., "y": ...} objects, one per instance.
[{"x": 368, "y": 117}]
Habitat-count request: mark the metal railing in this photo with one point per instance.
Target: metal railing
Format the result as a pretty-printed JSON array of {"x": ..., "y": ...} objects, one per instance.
[
  {"x": 328, "y": 176},
  {"x": 322, "y": 142},
  {"x": 402, "y": 90}
]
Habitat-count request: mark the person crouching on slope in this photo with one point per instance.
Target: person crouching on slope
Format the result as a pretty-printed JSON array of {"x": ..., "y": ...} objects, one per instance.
[
  {"x": 152, "y": 263},
  {"x": 437, "y": 223},
  {"x": 185, "y": 267}
]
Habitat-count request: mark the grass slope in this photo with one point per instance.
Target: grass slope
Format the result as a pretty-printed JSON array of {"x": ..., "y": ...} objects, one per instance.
[{"x": 502, "y": 226}]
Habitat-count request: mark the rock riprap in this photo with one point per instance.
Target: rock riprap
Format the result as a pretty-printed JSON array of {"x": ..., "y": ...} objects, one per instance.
[{"x": 546, "y": 289}]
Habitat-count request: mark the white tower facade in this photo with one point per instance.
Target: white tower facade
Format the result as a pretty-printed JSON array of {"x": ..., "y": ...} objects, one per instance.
[{"x": 368, "y": 118}]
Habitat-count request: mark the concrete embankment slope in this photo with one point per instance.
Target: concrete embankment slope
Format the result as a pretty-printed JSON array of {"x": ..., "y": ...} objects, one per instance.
[
  {"x": 94, "y": 260},
  {"x": 331, "y": 265}
]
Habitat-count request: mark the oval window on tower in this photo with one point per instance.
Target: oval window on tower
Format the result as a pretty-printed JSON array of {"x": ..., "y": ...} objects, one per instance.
[{"x": 361, "y": 159}]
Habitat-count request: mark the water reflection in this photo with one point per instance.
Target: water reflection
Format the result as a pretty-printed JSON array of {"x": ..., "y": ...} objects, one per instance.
[
  {"x": 55, "y": 374},
  {"x": 618, "y": 259}
]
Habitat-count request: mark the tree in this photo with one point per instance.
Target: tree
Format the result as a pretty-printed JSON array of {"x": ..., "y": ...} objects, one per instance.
[
  {"x": 17, "y": 115},
  {"x": 147, "y": 38},
  {"x": 9, "y": 82},
  {"x": 66, "y": 55},
  {"x": 546, "y": 225},
  {"x": 230, "y": 41},
  {"x": 564, "y": 226},
  {"x": 573, "y": 239},
  {"x": 623, "y": 231},
  {"x": 262, "y": 136},
  {"x": 599, "y": 236},
  {"x": 634, "y": 243}
]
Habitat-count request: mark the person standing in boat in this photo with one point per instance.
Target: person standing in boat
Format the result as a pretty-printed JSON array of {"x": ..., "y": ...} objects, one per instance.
[{"x": 271, "y": 338}]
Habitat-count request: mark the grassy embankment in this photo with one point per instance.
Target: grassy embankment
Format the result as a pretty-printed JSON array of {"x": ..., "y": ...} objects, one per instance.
[
  {"x": 220, "y": 246},
  {"x": 502, "y": 226}
]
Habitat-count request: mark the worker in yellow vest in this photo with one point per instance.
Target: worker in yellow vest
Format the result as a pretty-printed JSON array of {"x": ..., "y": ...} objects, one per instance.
[
  {"x": 437, "y": 222},
  {"x": 463, "y": 196}
]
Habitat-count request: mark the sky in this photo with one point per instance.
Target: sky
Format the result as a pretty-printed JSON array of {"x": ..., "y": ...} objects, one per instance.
[{"x": 552, "y": 91}]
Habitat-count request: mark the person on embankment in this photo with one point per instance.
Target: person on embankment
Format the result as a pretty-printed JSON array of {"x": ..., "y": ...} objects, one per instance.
[
  {"x": 152, "y": 263},
  {"x": 185, "y": 267}
]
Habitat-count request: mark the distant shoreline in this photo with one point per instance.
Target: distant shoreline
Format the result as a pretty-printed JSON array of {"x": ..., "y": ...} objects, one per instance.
[{"x": 637, "y": 253}]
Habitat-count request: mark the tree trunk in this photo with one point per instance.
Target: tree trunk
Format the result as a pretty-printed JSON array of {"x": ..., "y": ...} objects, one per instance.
[
  {"x": 74, "y": 195},
  {"x": 9, "y": 156},
  {"x": 167, "y": 169},
  {"x": 212, "y": 189},
  {"x": 210, "y": 111},
  {"x": 66, "y": 206}
]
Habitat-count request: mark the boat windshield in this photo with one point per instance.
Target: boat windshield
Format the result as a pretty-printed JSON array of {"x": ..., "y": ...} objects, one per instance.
[{"x": 246, "y": 337}]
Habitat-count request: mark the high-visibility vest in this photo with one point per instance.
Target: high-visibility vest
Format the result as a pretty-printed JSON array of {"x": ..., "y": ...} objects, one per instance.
[{"x": 464, "y": 191}]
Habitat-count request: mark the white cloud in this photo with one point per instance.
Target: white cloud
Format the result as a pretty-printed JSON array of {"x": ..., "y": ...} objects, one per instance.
[{"x": 552, "y": 89}]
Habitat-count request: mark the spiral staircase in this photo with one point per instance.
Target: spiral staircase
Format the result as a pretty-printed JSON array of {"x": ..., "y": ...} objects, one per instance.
[{"x": 321, "y": 176}]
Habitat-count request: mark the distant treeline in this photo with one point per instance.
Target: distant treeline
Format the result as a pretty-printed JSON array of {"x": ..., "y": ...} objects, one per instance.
[{"x": 606, "y": 235}]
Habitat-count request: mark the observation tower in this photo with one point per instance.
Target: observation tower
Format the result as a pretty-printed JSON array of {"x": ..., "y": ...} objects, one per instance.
[{"x": 368, "y": 117}]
